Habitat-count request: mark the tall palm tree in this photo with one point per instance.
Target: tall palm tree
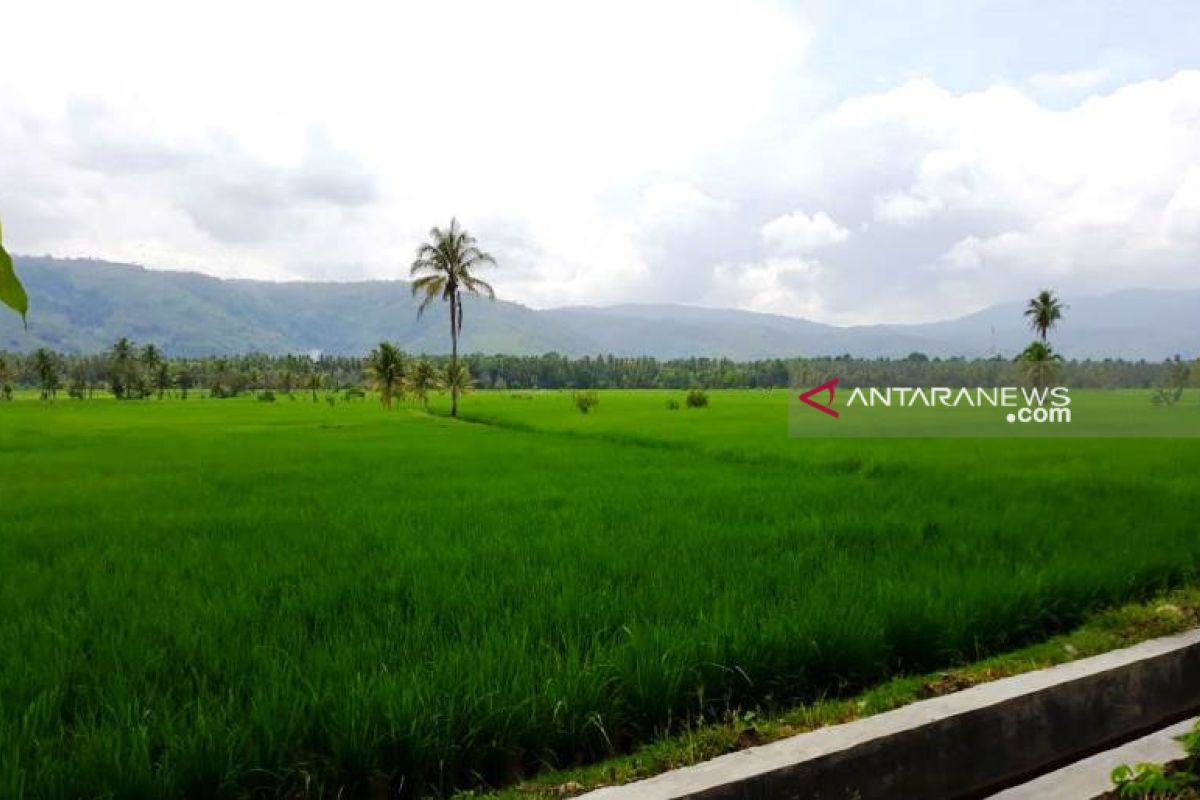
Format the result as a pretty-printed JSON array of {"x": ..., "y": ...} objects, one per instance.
[
  {"x": 1043, "y": 312},
  {"x": 385, "y": 369},
  {"x": 443, "y": 269}
]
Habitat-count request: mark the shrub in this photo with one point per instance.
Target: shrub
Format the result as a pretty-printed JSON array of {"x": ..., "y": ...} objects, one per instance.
[
  {"x": 585, "y": 401},
  {"x": 266, "y": 397},
  {"x": 697, "y": 398},
  {"x": 672, "y": 405},
  {"x": 1191, "y": 741},
  {"x": 1150, "y": 780}
]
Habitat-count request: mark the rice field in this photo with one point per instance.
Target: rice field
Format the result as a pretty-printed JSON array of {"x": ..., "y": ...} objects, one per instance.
[{"x": 229, "y": 598}]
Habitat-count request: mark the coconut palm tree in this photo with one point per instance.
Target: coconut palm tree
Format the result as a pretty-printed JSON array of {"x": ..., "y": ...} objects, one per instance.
[
  {"x": 457, "y": 378},
  {"x": 1043, "y": 312},
  {"x": 423, "y": 379},
  {"x": 1039, "y": 362},
  {"x": 185, "y": 379},
  {"x": 151, "y": 356},
  {"x": 385, "y": 371},
  {"x": 46, "y": 368},
  {"x": 444, "y": 268},
  {"x": 162, "y": 378},
  {"x": 122, "y": 369},
  {"x": 153, "y": 368},
  {"x": 313, "y": 381}
]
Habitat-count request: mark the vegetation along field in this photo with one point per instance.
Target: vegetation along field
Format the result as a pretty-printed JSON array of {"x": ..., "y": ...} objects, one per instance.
[{"x": 231, "y": 597}]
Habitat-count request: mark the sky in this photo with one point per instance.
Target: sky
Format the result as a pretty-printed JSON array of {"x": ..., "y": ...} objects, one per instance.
[{"x": 850, "y": 162}]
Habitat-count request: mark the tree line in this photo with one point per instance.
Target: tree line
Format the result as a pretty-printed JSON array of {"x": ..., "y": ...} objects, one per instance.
[{"x": 132, "y": 371}]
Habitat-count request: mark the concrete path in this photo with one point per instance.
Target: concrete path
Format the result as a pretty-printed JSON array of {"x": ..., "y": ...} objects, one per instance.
[
  {"x": 1090, "y": 778},
  {"x": 963, "y": 744}
]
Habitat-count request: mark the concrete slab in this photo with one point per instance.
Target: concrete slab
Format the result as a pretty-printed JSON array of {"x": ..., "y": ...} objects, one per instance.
[
  {"x": 963, "y": 745},
  {"x": 1090, "y": 777}
]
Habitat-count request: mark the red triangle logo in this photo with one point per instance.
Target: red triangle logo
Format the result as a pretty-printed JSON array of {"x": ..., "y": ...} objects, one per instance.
[{"x": 827, "y": 386}]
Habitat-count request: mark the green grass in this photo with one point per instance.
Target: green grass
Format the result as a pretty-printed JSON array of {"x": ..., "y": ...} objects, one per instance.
[
  {"x": 222, "y": 598},
  {"x": 1106, "y": 630}
]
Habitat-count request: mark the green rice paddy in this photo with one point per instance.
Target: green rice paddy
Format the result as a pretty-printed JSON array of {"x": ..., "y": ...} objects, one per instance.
[{"x": 229, "y": 598}]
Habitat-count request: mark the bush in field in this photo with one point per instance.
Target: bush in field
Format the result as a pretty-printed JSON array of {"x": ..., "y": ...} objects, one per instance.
[
  {"x": 585, "y": 401},
  {"x": 7, "y": 376},
  {"x": 266, "y": 397},
  {"x": 672, "y": 405},
  {"x": 697, "y": 398}
]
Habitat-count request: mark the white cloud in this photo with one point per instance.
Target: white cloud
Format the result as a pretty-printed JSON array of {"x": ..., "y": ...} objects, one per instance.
[
  {"x": 187, "y": 139},
  {"x": 1181, "y": 220},
  {"x": 675, "y": 203},
  {"x": 605, "y": 153},
  {"x": 989, "y": 191},
  {"x": 905, "y": 209},
  {"x": 774, "y": 285},
  {"x": 799, "y": 233},
  {"x": 1080, "y": 80}
]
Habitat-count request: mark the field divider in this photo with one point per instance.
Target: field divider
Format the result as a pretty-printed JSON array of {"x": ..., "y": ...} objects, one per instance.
[
  {"x": 968, "y": 744},
  {"x": 632, "y": 441}
]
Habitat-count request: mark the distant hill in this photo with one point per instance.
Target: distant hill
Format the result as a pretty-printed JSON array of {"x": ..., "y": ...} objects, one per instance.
[{"x": 81, "y": 305}]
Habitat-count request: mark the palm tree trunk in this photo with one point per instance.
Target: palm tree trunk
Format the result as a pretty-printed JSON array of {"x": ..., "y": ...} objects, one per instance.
[{"x": 453, "y": 353}]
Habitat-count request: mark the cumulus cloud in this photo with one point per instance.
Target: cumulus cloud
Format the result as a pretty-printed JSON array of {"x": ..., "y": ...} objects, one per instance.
[
  {"x": 984, "y": 194},
  {"x": 1181, "y": 220},
  {"x": 773, "y": 285},
  {"x": 799, "y": 232}
]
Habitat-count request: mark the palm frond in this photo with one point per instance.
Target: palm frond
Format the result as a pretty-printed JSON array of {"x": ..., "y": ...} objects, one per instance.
[
  {"x": 431, "y": 286},
  {"x": 424, "y": 283},
  {"x": 425, "y": 304},
  {"x": 477, "y": 286},
  {"x": 429, "y": 262}
]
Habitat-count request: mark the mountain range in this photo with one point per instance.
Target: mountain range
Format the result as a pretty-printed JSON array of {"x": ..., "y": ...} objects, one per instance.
[{"x": 84, "y": 305}]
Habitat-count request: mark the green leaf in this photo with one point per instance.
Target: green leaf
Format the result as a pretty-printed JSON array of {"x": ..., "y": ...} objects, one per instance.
[{"x": 12, "y": 293}]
